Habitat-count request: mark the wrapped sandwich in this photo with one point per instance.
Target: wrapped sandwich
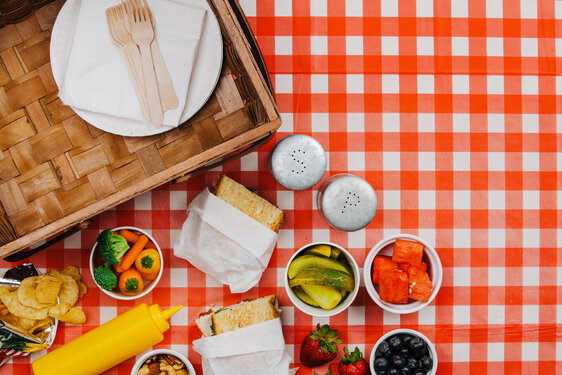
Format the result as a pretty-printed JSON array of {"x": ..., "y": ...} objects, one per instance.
[
  {"x": 251, "y": 204},
  {"x": 230, "y": 235},
  {"x": 245, "y": 338},
  {"x": 243, "y": 314}
]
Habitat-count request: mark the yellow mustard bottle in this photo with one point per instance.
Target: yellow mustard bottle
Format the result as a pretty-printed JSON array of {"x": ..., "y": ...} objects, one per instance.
[{"x": 109, "y": 344}]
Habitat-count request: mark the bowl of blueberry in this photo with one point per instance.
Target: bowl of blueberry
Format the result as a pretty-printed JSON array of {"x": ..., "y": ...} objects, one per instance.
[{"x": 403, "y": 352}]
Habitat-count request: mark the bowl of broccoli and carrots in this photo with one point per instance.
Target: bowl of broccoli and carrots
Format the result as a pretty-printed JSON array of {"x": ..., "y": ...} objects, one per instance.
[{"x": 126, "y": 262}]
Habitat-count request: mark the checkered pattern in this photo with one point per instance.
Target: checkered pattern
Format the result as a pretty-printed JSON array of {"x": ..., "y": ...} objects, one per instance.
[{"x": 451, "y": 112}]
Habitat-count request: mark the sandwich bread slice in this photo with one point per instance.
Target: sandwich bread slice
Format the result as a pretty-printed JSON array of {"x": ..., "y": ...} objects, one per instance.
[
  {"x": 243, "y": 314},
  {"x": 250, "y": 203}
]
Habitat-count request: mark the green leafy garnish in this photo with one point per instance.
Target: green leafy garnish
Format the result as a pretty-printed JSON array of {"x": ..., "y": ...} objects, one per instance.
[
  {"x": 146, "y": 262},
  {"x": 132, "y": 285}
]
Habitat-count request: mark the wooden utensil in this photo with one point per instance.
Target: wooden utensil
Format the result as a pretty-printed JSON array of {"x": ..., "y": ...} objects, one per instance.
[
  {"x": 143, "y": 34},
  {"x": 168, "y": 100},
  {"x": 167, "y": 92},
  {"x": 115, "y": 20}
]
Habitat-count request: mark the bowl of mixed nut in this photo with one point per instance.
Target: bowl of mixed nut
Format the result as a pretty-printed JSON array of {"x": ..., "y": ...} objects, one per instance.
[{"x": 163, "y": 362}]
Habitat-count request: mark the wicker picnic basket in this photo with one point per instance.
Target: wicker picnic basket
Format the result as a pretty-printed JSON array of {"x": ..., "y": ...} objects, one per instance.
[{"x": 57, "y": 171}]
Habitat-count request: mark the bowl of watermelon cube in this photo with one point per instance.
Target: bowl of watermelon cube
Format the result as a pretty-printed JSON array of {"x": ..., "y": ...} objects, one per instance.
[{"x": 403, "y": 273}]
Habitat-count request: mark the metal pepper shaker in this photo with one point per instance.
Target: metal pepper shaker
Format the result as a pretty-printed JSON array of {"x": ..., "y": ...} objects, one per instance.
[
  {"x": 297, "y": 162},
  {"x": 347, "y": 202}
]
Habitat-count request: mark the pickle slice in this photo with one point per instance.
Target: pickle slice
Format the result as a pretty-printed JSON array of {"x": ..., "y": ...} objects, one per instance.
[
  {"x": 304, "y": 297},
  {"x": 324, "y": 250},
  {"x": 326, "y": 277},
  {"x": 327, "y": 297},
  {"x": 312, "y": 261},
  {"x": 335, "y": 253}
]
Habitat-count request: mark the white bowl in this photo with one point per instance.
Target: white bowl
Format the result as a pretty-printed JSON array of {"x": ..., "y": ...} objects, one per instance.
[
  {"x": 434, "y": 268},
  {"x": 432, "y": 352},
  {"x": 148, "y": 287},
  {"x": 139, "y": 363},
  {"x": 317, "y": 311}
]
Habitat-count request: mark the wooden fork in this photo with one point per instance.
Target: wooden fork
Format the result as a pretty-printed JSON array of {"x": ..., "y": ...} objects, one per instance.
[
  {"x": 123, "y": 39},
  {"x": 143, "y": 34}
]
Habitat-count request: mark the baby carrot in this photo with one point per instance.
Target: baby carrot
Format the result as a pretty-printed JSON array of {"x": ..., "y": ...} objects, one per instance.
[
  {"x": 133, "y": 237},
  {"x": 130, "y": 256},
  {"x": 129, "y": 236}
]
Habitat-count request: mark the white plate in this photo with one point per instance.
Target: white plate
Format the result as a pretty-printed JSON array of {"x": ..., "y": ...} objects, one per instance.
[{"x": 204, "y": 77}]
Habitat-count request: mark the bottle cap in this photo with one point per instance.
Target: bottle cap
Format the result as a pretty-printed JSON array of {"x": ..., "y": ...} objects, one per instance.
[
  {"x": 161, "y": 317},
  {"x": 297, "y": 162}
]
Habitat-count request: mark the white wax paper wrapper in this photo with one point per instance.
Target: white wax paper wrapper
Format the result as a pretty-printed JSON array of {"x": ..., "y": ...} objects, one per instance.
[
  {"x": 225, "y": 243},
  {"x": 97, "y": 78},
  {"x": 254, "y": 350}
]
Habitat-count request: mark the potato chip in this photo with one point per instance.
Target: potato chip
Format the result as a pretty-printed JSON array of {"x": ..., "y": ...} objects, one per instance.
[
  {"x": 47, "y": 289},
  {"x": 41, "y": 325},
  {"x": 26, "y": 324},
  {"x": 6, "y": 289},
  {"x": 59, "y": 310},
  {"x": 4, "y": 310},
  {"x": 69, "y": 290},
  {"x": 27, "y": 294},
  {"x": 67, "y": 314},
  {"x": 74, "y": 316},
  {"x": 15, "y": 307},
  {"x": 83, "y": 289},
  {"x": 73, "y": 272}
]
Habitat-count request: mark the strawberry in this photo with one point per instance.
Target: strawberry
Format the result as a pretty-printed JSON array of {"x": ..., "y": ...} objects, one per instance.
[
  {"x": 319, "y": 347},
  {"x": 353, "y": 363}
]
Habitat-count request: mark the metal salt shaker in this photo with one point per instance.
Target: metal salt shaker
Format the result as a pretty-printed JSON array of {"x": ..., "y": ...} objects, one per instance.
[
  {"x": 347, "y": 202},
  {"x": 297, "y": 162}
]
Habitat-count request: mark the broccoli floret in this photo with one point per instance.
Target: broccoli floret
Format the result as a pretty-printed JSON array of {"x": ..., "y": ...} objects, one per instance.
[
  {"x": 111, "y": 246},
  {"x": 105, "y": 278}
]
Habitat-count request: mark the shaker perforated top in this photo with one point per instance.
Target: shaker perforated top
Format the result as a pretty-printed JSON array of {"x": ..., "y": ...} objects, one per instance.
[
  {"x": 297, "y": 162},
  {"x": 347, "y": 202}
]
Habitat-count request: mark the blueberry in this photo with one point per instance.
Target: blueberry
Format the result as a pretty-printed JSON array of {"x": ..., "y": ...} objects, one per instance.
[
  {"x": 417, "y": 347},
  {"x": 395, "y": 343},
  {"x": 393, "y": 371},
  {"x": 405, "y": 371},
  {"x": 381, "y": 372},
  {"x": 381, "y": 363},
  {"x": 398, "y": 361},
  {"x": 383, "y": 349},
  {"x": 426, "y": 362},
  {"x": 404, "y": 352},
  {"x": 406, "y": 338},
  {"x": 418, "y": 372},
  {"x": 412, "y": 363}
]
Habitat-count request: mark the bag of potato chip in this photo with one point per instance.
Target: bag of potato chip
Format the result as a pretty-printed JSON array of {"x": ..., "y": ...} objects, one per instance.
[{"x": 27, "y": 330}]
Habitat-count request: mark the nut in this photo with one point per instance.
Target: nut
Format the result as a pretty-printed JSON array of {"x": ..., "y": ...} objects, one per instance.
[
  {"x": 154, "y": 368},
  {"x": 167, "y": 369},
  {"x": 178, "y": 366}
]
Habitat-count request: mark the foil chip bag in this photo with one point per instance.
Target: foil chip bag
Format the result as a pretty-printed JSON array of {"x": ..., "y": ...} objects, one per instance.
[{"x": 20, "y": 336}]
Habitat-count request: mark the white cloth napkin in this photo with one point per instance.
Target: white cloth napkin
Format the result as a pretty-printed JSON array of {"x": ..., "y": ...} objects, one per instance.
[
  {"x": 225, "y": 243},
  {"x": 97, "y": 78},
  {"x": 254, "y": 350}
]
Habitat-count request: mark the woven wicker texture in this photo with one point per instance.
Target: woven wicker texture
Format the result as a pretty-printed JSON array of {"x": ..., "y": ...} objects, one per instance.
[{"x": 53, "y": 163}]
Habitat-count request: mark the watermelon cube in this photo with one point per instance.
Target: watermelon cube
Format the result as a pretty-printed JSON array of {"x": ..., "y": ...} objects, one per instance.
[
  {"x": 410, "y": 252},
  {"x": 380, "y": 263},
  {"x": 420, "y": 285},
  {"x": 393, "y": 286},
  {"x": 405, "y": 266}
]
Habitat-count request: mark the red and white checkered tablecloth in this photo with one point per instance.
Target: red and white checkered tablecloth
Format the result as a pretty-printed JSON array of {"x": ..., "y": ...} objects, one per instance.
[{"x": 452, "y": 111}]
